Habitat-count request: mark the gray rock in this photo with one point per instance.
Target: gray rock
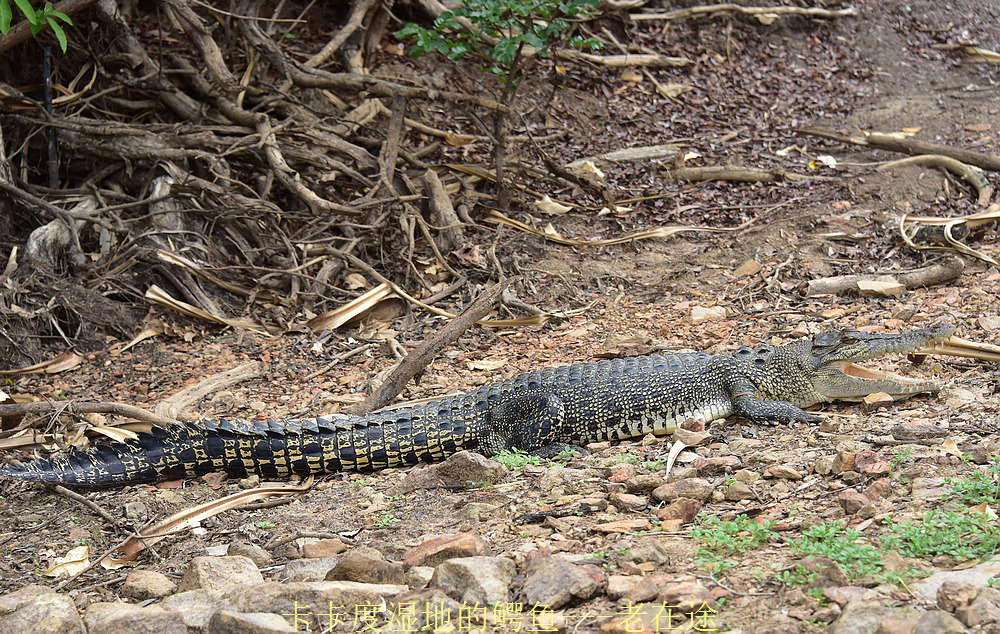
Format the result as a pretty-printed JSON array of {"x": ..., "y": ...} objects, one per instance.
[
  {"x": 652, "y": 549},
  {"x": 977, "y": 576},
  {"x": 229, "y": 622},
  {"x": 930, "y": 489},
  {"x": 365, "y": 568},
  {"x": 556, "y": 583},
  {"x": 828, "y": 572},
  {"x": 309, "y": 569},
  {"x": 560, "y": 476},
  {"x": 739, "y": 491},
  {"x": 864, "y": 617},
  {"x": 955, "y": 594},
  {"x": 219, "y": 573},
  {"x": 196, "y": 607},
  {"x": 419, "y": 576},
  {"x": 482, "y": 579},
  {"x": 147, "y": 584},
  {"x": 696, "y": 488},
  {"x": 467, "y": 467},
  {"x": 985, "y": 608},
  {"x": 38, "y": 609},
  {"x": 313, "y": 604},
  {"x": 123, "y": 618},
  {"x": 254, "y": 553},
  {"x": 474, "y": 511},
  {"x": 938, "y": 622}
]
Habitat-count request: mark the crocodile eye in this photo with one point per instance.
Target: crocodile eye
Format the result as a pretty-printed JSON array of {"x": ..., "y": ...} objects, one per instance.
[{"x": 827, "y": 339}]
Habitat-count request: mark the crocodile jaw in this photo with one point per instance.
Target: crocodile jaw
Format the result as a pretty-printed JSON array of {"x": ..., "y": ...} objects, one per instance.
[
  {"x": 854, "y": 382},
  {"x": 848, "y": 381}
]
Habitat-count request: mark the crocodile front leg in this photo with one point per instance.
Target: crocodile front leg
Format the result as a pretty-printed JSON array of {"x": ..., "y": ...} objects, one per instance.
[
  {"x": 770, "y": 412},
  {"x": 746, "y": 404}
]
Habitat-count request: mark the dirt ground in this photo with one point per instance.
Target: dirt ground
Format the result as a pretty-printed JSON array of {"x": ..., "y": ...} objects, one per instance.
[{"x": 752, "y": 86}]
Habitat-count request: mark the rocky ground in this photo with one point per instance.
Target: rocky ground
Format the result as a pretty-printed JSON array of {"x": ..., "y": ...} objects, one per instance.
[{"x": 881, "y": 518}]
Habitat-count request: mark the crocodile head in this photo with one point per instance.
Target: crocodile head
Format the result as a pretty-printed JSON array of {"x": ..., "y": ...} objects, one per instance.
[{"x": 829, "y": 363}]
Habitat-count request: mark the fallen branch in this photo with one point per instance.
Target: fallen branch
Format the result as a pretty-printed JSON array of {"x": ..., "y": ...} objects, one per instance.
[
  {"x": 970, "y": 54},
  {"x": 761, "y": 13},
  {"x": 971, "y": 173},
  {"x": 416, "y": 361},
  {"x": 989, "y": 162},
  {"x": 934, "y": 274},
  {"x": 647, "y": 60},
  {"x": 119, "y": 409},
  {"x": 184, "y": 400},
  {"x": 736, "y": 174},
  {"x": 632, "y": 154}
]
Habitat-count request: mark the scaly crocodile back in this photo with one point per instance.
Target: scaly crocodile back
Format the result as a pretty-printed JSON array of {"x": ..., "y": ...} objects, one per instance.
[{"x": 480, "y": 420}]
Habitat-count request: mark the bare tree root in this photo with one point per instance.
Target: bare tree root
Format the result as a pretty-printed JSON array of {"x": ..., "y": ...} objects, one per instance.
[
  {"x": 988, "y": 162},
  {"x": 970, "y": 173}
]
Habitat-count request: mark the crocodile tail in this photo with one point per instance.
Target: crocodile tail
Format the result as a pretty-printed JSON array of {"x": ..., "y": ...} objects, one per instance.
[
  {"x": 235, "y": 447},
  {"x": 267, "y": 448}
]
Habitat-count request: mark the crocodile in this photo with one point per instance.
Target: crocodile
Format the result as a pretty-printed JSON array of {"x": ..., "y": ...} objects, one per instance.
[{"x": 575, "y": 404}]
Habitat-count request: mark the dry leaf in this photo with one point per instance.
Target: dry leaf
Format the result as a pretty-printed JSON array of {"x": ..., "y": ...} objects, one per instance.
[
  {"x": 458, "y": 140},
  {"x": 191, "y": 518},
  {"x": 156, "y": 295},
  {"x": 672, "y": 90},
  {"x": 950, "y": 448},
  {"x": 630, "y": 75},
  {"x": 152, "y": 328},
  {"x": 822, "y": 161},
  {"x": 767, "y": 19},
  {"x": 354, "y": 281},
  {"x": 588, "y": 166},
  {"x": 984, "y": 509},
  {"x": 352, "y": 310},
  {"x": 73, "y": 563},
  {"x": 66, "y": 361},
  {"x": 114, "y": 433},
  {"x": 487, "y": 364},
  {"x": 549, "y": 206}
]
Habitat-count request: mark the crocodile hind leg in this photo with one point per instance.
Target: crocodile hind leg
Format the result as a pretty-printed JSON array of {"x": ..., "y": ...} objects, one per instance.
[
  {"x": 770, "y": 412},
  {"x": 528, "y": 421}
]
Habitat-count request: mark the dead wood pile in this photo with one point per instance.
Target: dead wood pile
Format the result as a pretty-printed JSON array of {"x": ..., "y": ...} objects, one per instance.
[{"x": 202, "y": 148}]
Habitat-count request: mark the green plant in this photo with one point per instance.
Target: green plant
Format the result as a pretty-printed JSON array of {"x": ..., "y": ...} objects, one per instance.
[
  {"x": 722, "y": 539},
  {"x": 797, "y": 576},
  {"x": 566, "y": 454},
  {"x": 899, "y": 456},
  {"x": 515, "y": 459},
  {"x": 979, "y": 487},
  {"x": 826, "y": 540},
  {"x": 265, "y": 525},
  {"x": 964, "y": 535},
  {"x": 497, "y": 32},
  {"x": 38, "y": 18},
  {"x": 388, "y": 517}
]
